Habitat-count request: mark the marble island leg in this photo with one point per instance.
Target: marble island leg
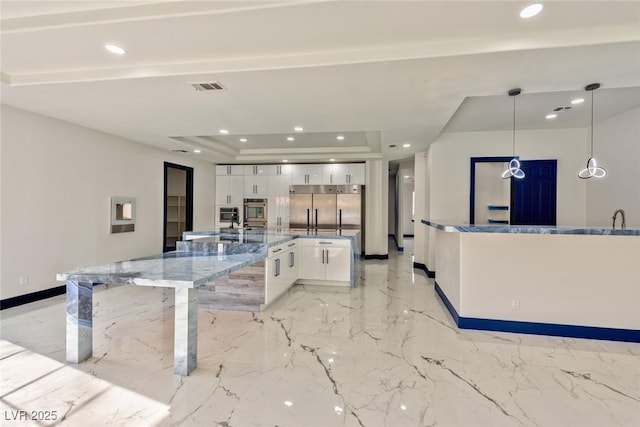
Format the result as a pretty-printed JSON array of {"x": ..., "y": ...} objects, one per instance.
[
  {"x": 79, "y": 321},
  {"x": 186, "y": 331}
]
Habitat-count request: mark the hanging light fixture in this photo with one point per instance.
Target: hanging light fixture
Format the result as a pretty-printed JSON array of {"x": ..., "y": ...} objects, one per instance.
[
  {"x": 514, "y": 165},
  {"x": 592, "y": 170}
]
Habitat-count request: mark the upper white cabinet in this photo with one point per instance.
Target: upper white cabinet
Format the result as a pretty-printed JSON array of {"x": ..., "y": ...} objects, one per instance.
[
  {"x": 255, "y": 186},
  {"x": 306, "y": 174},
  {"x": 343, "y": 173},
  {"x": 278, "y": 201},
  {"x": 229, "y": 190},
  {"x": 237, "y": 170},
  {"x": 356, "y": 173},
  {"x": 250, "y": 170}
]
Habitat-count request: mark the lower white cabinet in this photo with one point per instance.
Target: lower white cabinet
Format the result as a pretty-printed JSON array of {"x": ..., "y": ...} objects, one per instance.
[
  {"x": 281, "y": 270},
  {"x": 325, "y": 260}
]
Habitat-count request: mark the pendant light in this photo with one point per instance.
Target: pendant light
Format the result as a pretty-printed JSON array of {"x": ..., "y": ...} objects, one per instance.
[
  {"x": 592, "y": 170},
  {"x": 514, "y": 165}
]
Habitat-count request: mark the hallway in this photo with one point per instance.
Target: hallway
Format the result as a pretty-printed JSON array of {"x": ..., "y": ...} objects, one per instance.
[{"x": 383, "y": 354}]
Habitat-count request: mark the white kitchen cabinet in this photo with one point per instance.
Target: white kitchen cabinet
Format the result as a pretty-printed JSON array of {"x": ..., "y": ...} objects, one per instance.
[
  {"x": 343, "y": 173},
  {"x": 356, "y": 173},
  {"x": 255, "y": 186},
  {"x": 278, "y": 201},
  {"x": 325, "y": 260},
  {"x": 259, "y": 170},
  {"x": 306, "y": 174},
  {"x": 229, "y": 190},
  {"x": 237, "y": 170},
  {"x": 281, "y": 270}
]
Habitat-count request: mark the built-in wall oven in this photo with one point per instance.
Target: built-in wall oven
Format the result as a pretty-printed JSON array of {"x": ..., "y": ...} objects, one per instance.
[{"x": 255, "y": 213}]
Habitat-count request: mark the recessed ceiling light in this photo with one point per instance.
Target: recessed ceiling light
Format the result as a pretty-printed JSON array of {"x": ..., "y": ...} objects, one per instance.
[
  {"x": 225, "y": 131},
  {"x": 403, "y": 407},
  {"x": 197, "y": 151},
  {"x": 290, "y": 138},
  {"x": 332, "y": 160},
  {"x": 285, "y": 161},
  {"x": 551, "y": 116},
  {"x": 406, "y": 145},
  {"x": 243, "y": 139},
  {"x": 577, "y": 101},
  {"x": 339, "y": 137},
  {"x": 288, "y": 403},
  {"x": 115, "y": 49},
  {"x": 531, "y": 10},
  {"x": 298, "y": 129}
]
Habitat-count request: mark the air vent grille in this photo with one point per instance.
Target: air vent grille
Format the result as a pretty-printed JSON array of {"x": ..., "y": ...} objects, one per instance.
[
  {"x": 180, "y": 151},
  {"x": 562, "y": 108},
  {"x": 207, "y": 86}
]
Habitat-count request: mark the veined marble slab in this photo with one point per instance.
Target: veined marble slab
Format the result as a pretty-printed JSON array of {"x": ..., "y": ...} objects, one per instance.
[
  {"x": 531, "y": 229},
  {"x": 172, "y": 269}
]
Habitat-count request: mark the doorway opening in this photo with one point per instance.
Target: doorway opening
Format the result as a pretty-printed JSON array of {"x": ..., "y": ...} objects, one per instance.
[
  {"x": 178, "y": 204},
  {"x": 528, "y": 201}
]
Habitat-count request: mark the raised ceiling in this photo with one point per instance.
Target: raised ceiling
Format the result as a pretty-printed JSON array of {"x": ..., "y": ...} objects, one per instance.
[{"x": 381, "y": 73}]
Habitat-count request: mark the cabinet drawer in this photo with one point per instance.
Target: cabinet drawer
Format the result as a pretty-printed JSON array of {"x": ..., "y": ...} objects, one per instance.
[
  {"x": 282, "y": 248},
  {"x": 340, "y": 243}
]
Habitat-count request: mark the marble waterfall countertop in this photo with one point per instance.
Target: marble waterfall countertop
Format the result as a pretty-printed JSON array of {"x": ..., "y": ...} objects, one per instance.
[
  {"x": 530, "y": 229},
  {"x": 192, "y": 268}
]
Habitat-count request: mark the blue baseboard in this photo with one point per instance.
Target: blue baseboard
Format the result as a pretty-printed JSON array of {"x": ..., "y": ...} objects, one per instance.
[{"x": 534, "y": 328}]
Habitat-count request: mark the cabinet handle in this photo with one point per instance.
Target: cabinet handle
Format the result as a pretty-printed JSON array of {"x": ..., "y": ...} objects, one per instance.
[
  {"x": 331, "y": 179},
  {"x": 228, "y": 170},
  {"x": 292, "y": 260},
  {"x": 277, "y": 250},
  {"x": 327, "y": 256},
  {"x": 323, "y": 256},
  {"x": 277, "y": 262},
  {"x": 291, "y": 244},
  {"x": 326, "y": 243}
]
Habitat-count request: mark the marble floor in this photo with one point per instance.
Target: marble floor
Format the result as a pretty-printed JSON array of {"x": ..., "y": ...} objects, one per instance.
[{"x": 384, "y": 354}]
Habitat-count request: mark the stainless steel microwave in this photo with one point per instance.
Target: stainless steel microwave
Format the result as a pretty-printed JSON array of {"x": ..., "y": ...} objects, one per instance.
[{"x": 228, "y": 214}]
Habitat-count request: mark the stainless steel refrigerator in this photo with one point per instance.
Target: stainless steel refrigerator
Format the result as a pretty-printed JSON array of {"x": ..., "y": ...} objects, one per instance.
[{"x": 326, "y": 207}]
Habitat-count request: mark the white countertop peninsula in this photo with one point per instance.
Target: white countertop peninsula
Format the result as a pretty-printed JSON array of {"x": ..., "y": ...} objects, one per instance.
[{"x": 565, "y": 281}]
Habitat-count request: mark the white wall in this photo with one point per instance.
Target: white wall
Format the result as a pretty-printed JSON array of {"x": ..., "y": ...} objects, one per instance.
[
  {"x": 422, "y": 189},
  {"x": 377, "y": 202},
  {"x": 406, "y": 169},
  {"x": 56, "y": 183},
  {"x": 392, "y": 205},
  {"x": 617, "y": 148},
  {"x": 450, "y": 176}
]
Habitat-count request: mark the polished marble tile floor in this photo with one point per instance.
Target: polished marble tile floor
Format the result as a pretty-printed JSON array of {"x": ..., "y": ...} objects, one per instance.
[{"x": 384, "y": 354}]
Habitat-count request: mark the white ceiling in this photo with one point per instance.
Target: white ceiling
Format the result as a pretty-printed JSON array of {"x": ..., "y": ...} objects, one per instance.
[{"x": 381, "y": 73}]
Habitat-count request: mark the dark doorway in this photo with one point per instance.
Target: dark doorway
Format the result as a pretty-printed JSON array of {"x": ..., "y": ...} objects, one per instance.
[
  {"x": 533, "y": 199},
  {"x": 178, "y": 204}
]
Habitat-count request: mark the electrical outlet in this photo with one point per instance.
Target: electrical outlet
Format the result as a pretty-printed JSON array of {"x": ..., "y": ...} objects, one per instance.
[
  {"x": 24, "y": 280},
  {"x": 515, "y": 304}
]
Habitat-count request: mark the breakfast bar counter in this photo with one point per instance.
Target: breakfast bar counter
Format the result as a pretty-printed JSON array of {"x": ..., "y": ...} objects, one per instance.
[{"x": 566, "y": 281}]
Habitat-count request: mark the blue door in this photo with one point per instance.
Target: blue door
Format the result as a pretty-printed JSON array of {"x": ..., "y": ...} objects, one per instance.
[{"x": 533, "y": 199}]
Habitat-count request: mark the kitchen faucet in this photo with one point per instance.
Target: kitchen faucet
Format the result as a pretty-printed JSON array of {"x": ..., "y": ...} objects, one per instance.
[
  {"x": 615, "y": 214},
  {"x": 235, "y": 219}
]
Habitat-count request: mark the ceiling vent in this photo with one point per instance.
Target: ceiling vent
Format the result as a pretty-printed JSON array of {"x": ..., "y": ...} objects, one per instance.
[
  {"x": 562, "y": 108},
  {"x": 180, "y": 151},
  {"x": 207, "y": 86}
]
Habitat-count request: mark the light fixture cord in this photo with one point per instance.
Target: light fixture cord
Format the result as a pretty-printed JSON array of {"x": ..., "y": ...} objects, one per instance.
[
  {"x": 514, "y": 126},
  {"x": 592, "y": 124}
]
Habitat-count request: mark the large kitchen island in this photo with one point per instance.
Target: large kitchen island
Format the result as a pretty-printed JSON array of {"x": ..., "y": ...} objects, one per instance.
[
  {"x": 203, "y": 258},
  {"x": 573, "y": 282}
]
